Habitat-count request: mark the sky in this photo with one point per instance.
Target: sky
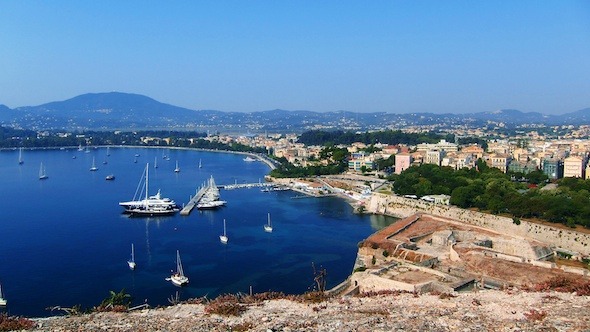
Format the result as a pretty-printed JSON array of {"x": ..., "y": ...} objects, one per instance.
[{"x": 246, "y": 56}]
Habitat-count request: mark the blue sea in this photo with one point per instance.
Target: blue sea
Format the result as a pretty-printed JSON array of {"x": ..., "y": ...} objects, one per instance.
[{"x": 65, "y": 242}]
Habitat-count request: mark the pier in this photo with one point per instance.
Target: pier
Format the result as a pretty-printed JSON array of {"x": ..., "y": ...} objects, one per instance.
[
  {"x": 188, "y": 208},
  {"x": 209, "y": 190},
  {"x": 247, "y": 185}
]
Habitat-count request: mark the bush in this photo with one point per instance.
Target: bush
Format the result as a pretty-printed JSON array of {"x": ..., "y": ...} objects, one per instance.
[
  {"x": 385, "y": 253},
  {"x": 360, "y": 269},
  {"x": 13, "y": 323},
  {"x": 225, "y": 305}
]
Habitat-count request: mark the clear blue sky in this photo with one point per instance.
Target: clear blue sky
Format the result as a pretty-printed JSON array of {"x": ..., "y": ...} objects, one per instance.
[{"x": 361, "y": 56}]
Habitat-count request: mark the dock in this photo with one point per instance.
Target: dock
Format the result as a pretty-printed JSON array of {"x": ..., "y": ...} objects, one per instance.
[
  {"x": 208, "y": 189},
  {"x": 188, "y": 208},
  {"x": 247, "y": 185}
]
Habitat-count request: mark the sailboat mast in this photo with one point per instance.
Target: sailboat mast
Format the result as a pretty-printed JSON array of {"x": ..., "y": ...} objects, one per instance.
[{"x": 147, "y": 169}]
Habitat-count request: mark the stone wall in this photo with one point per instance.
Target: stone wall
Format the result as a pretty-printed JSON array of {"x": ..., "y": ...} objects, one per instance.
[{"x": 403, "y": 207}]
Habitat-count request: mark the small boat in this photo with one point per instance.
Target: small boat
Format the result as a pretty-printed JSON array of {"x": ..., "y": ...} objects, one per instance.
[
  {"x": 42, "y": 173},
  {"x": 93, "y": 168},
  {"x": 80, "y": 147},
  {"x": 177, "y": 169},
  {"x": 249, "y": 159},
  {"x": 20, "y": 156},
  {"x": 223, "y": 238},
  {"x": 200, "y": 165},
  {"x": 178, "y": 278},
  {"x": 155, "y": 162},
  {"x": 110, "y": 177},
  {"x": 131, "y": 262},
  {"x": 137, "y": 154},
  {"x": 108, "y": 152},
  {"x": 73, "y": 157},
  {"x": 268, "y": 226},
  {"x": 2, "y": 299}
]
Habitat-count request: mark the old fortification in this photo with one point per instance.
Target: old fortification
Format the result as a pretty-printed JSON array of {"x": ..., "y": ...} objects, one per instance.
[{"x": 403, "y": 207}]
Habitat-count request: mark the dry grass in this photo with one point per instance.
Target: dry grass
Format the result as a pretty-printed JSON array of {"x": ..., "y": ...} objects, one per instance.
[
  {"x": 13, "y": 323},
  {"x": 565, "y": 285}
]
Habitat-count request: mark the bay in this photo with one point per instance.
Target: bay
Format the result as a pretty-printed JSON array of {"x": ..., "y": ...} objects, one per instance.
[{"x": 65, "y": 242}]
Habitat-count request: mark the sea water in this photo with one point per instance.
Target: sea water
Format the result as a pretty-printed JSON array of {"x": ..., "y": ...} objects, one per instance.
[{"x": 64, "y": 241}]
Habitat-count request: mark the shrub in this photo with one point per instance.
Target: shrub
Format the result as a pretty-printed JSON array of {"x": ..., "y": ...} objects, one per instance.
[
  {"x": 12, "y": 323},
  {"x": 225, "y": 305},
  {"x": 535, "y": 315},
  {"x": 385, "y": 253},
  {"x": 360, "y": 269}
]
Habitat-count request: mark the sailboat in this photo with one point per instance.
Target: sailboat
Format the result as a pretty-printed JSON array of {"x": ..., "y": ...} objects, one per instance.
[
  {"x": 223, "y": 238},
  {"x": 200, "y": 165},
  {"x": 177, "y": 169},
  {"x": 2, "y": 299},
  {"x": 20, "y": 156},
  {"x": 42, "y": 174},
  {"x": 268, "y": 226},
  {"x": 178, "y": 278},
  {"x": 155, "y": 162},
  {"x": 131, "y": 262},
  {"x": 93, "y": 168}
]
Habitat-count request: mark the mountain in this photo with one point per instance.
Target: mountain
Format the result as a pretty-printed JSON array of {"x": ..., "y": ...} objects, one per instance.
[
  {"x": 126, "y": 111},
  {"x": 579, "y": 117}
]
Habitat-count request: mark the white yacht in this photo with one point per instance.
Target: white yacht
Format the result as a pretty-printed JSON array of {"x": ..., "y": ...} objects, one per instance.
[{"x": 149, "y": 205}]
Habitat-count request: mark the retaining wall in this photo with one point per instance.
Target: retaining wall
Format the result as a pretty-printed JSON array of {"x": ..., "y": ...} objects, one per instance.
[{"x": 403, "y": 207}]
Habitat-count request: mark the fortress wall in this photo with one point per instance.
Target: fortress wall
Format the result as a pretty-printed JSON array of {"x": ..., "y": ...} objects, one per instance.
[{"x": 403, "y": 207}]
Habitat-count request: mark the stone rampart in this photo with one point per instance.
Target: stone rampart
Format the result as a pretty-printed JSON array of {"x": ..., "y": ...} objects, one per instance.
[{"x": 403, "y": 207}]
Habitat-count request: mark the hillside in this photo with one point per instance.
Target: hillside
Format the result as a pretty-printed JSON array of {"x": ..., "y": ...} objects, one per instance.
[
  {"x": 117, "y": 110},
  {"x": 480, "y": 311}
]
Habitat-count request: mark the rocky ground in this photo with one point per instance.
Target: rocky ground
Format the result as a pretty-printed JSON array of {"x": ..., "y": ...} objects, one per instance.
[{"x": 480, "y": 311}]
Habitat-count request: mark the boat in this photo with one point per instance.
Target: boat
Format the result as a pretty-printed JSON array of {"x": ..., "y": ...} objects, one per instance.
[
  {"x": 80, "y": 147},
  {"x": 131, "y": 262},
  {"x": 178, "y": 278},
  {"x": 2, "y": 299},
  {"x": 249, "y": 159},
  {"x": 268, "y": 226},
  {"x": 200, "y": 165},
  {"x": 93, "y": 168},
  {"x": 177, "y": 169},
  {"x": 153, "y": 205},
  {"x": 42, "y": 173},
  {"x": 20, "y": 156},
  {"x": 110, "y": 177},
  {"x": 223, "y": 238},
  {"x": 108, "y": 152},
  {"x": 155, "y": 162},
  {"x": 210, "y": 204}
]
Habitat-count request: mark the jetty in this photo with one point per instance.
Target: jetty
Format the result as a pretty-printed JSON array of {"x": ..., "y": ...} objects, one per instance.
[
  {"x": 206, "y": 190},
  {"x": 247, "y": 185}
]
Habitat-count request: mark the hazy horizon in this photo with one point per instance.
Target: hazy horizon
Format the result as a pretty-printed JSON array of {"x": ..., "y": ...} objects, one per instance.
[{"x": 381, "y": 56}]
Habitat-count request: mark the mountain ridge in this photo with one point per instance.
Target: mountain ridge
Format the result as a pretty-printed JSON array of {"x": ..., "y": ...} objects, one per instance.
[{"x": 116, "y": 110}]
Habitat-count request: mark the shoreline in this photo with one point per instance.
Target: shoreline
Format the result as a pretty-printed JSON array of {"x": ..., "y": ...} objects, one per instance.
[{"x": 259, "y": 157}]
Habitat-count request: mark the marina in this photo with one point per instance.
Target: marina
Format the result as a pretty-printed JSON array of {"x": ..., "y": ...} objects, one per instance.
[{"x": 94, "y": 235}]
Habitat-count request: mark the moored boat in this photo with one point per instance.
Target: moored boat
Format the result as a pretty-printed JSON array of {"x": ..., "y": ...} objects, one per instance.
[{"x": 153, "y": 205}]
